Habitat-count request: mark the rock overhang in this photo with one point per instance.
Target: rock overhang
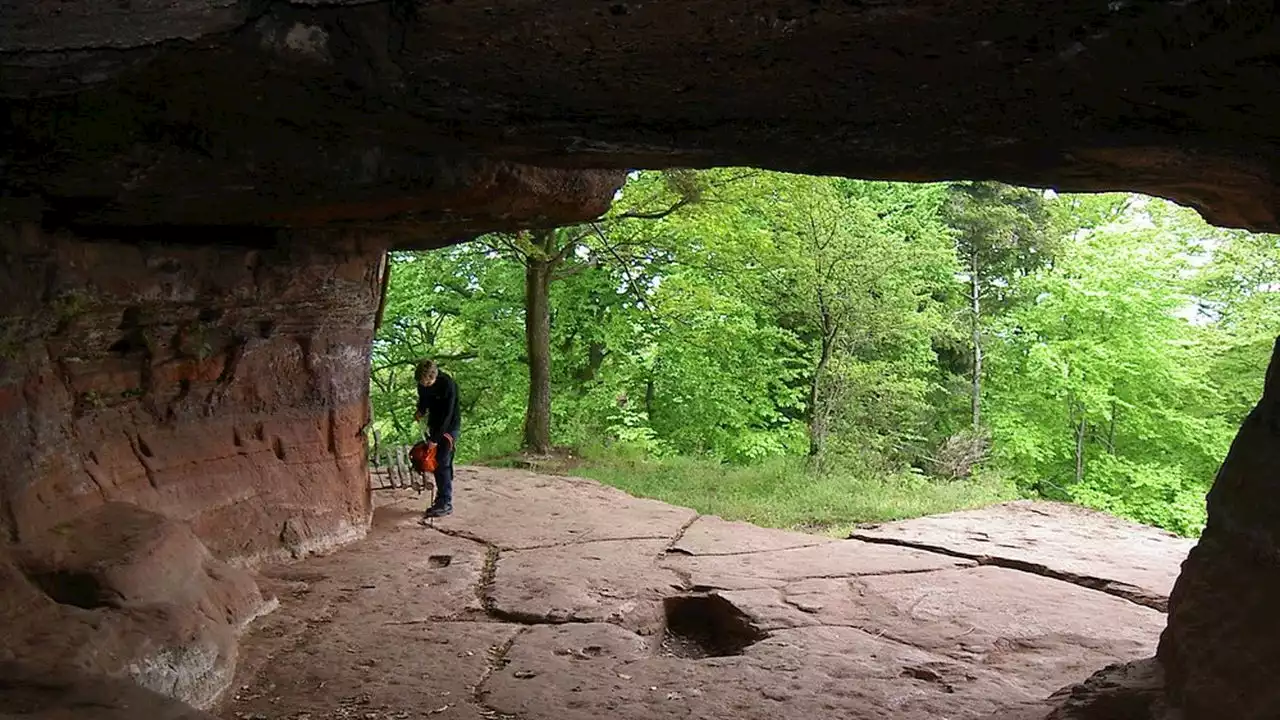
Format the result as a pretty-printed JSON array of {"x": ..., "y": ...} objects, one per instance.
[{"x": 443, "y": 120}]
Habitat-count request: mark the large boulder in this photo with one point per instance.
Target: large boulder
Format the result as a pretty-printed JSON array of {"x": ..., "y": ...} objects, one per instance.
[{"x": 126, "y": 593}]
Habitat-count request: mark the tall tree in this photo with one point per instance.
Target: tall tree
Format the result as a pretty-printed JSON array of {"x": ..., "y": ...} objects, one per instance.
[
  {"x": 553, "y": 254},
  {"x": 856, "y": 280},
  {"x": 542, "y": 253},
  {"x": 1001, "y": 235}
]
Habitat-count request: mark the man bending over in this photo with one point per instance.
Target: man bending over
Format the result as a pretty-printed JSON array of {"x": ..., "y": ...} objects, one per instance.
[{"x": 438, "y": 403}]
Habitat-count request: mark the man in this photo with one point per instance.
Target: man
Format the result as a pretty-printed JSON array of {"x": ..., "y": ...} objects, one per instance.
[{"x": 438, "y": 402}]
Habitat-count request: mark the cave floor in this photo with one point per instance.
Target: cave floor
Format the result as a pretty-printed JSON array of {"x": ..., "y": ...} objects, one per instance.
[{"x": 552, "y": 598}]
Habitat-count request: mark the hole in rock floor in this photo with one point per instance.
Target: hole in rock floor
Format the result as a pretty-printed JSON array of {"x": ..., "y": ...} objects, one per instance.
[
  {"x": 71, "y": 588},
  {"x": 701, "y": 626}
]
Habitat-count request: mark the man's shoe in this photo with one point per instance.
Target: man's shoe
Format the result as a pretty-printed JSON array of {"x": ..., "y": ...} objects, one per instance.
[{"x": 436, "y": 511}]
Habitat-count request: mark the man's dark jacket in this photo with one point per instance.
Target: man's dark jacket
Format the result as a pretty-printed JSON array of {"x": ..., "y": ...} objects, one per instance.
[{"x": 439, "y": 404}]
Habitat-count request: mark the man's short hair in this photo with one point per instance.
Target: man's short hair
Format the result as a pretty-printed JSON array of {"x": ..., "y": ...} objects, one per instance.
[{"x": 425, "y": 369}]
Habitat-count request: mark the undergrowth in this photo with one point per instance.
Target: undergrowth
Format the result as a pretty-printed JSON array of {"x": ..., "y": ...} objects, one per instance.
[{"x": 780, "y": 492}]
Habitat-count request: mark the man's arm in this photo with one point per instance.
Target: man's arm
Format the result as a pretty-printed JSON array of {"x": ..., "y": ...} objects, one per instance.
[{"x": 450, "y": 393}]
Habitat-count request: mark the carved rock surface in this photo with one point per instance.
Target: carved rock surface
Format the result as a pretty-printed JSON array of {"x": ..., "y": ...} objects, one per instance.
[
  {"x": 1009, "y": 622},
  {"x": 596, "y": 582},
  {"x": 218, "y": 112},
  {"x": 222, "y": 386}
]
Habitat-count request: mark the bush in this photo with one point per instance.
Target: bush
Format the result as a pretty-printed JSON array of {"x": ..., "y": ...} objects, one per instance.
[
  {"x": 959, "y": 454},
  {"x": 783, "y": 492}
]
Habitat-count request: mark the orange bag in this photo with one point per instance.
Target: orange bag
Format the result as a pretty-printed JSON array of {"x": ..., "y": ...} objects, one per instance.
[{"x": 423, "y": 457}]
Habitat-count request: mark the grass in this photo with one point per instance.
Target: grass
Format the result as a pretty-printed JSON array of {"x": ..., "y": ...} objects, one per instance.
[{"x": 783, "y": 493}]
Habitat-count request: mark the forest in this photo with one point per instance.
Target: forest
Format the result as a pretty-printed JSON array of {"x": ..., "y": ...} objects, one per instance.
[{"x": 813, "y": 352}]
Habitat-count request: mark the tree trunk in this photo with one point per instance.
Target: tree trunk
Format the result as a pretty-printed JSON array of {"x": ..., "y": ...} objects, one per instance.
[
  {"x": 976, "y": 313},
  {"x": 385, "y": 267},
  {"x": 1111, "y": 431},
  {"x": 650, "y": 396},
  {"x": 817, "y": 419},
  {"x": 595, "y": 358},
  {"x": 537, "y": 336},
  {"x": 1080, "y": 430}
]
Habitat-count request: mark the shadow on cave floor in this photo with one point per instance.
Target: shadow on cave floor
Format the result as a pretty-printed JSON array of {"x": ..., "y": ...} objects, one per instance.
[{"x": 555, "y": 597}]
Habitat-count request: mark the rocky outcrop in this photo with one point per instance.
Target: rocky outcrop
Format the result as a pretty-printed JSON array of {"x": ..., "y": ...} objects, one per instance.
[
  {"x": 1219, "y": 651},
  {"x": 1125, "y": 691},
  {"x": 1083, "y": 546},
  {"x": 167, "y": 405},
  {"x": 221, "y": 385},
  {"x": 220, "y": 112}
]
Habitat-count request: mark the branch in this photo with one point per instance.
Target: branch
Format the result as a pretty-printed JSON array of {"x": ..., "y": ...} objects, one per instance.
[
  {"x": 427, "y": 336},
  {"x": 626, "y": 271},
  {"x": 568, "y": 247},
  {"x": 744, "y": 175},
  {"x": 437, "y": 358},
  {"x": 683, "y": 201},
  {"x": 506, "y": 243},
  {"x": 570, "y": 271},
  {"x": 457, "y": 287},
  {"x": 657, "y": 214},
  {"x": 385, "y": 386}
]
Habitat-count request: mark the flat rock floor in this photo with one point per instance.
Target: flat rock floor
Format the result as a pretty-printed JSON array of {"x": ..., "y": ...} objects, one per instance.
[{"x": 550, "y": 598}]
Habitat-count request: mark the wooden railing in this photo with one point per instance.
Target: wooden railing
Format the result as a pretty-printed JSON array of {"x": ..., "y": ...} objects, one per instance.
[{"x": 390, "y": 469}]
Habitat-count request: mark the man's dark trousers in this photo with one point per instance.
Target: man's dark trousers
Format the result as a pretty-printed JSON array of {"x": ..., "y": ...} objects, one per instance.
[{"x": 444, "y": 472}]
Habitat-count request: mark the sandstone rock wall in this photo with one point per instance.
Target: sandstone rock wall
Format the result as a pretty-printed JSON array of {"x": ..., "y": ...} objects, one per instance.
[
  {"x": 1220, "y": 649},
  {"x": 222, "y": 385}
]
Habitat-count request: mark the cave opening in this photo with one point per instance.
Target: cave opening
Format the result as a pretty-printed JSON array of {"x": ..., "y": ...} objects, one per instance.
[{"x": 204, "y": 160}]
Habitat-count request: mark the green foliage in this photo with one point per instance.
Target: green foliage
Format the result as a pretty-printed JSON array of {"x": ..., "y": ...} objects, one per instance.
[
  {"x": 1100, "y": 391},
  {"x": 1239, "y": 290},
  {"x": 796, "y": 351}
]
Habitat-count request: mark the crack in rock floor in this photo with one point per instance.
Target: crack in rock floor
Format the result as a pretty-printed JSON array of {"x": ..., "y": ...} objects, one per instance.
[{"x": 553, "y": 599}]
